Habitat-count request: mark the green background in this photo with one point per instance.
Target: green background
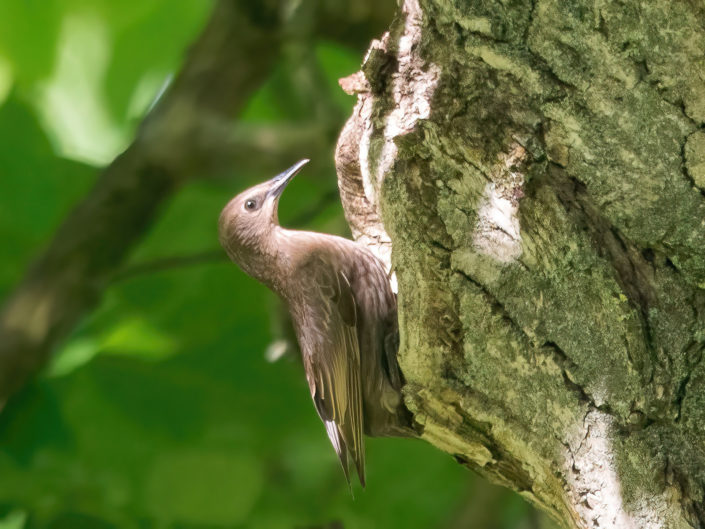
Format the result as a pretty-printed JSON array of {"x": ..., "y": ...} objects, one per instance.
[{"x": 161, "y": 409}]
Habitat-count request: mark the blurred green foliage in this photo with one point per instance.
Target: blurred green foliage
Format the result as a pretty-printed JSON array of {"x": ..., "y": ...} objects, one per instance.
[{"x": 161, "y": 410}]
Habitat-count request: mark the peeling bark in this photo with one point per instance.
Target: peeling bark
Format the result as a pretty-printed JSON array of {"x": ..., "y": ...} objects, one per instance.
[{"x": 538, "y": 169}]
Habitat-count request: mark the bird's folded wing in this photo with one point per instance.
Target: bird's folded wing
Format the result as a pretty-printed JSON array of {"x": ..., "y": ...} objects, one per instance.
[{"x": 333, "y": 363}]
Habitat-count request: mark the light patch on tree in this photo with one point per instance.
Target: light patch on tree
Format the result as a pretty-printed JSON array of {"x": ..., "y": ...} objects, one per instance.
[
  {"x": 413, "y": 86},
  {"x": 591, "y": 470},
  {"x": 497, "y": 231}
]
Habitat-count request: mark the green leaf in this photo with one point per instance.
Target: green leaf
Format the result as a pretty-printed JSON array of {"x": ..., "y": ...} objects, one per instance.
[{"x": 14, "y": 520}]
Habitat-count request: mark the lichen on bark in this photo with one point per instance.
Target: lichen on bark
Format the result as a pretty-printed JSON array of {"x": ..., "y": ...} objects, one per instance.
[{"x": 536, "y": 169}]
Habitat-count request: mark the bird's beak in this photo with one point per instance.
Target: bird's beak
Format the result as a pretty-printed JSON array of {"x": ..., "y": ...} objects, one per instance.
[{"x": 279, "y": 182}]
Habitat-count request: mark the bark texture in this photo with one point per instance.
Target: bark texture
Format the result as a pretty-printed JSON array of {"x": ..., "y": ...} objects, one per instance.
[{"x": 538, "y": 168}]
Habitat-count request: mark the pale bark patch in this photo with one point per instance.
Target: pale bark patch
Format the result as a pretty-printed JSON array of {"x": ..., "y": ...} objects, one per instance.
[
  {"x": 595, "y": 484},
  {"x": 360, "y": 179},
  {"x": 497, "y": 232},
  {"x": 412, "y": 87}
]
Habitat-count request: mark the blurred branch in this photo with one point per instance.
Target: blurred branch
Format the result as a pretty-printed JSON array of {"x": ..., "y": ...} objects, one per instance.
[
  {"x": 484, "y": 500},
  {"x": 189, "y": 133},
  {"x": 262, "y": 149},
  {"x": 69, "y": 277},
  {"x": 355, "y": 23},
  {"x": 214, "y": 255}
]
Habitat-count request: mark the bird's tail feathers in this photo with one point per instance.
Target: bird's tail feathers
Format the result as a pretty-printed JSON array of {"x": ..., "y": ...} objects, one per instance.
[{"x": 344, "y": 453}]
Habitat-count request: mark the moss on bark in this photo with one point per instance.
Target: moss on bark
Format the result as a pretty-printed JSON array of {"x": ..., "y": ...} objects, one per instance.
[{"x": 544, "y": 200}]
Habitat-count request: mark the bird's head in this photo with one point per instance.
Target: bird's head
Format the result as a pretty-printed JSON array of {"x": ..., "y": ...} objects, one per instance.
[{"x": 248, "y": 220}]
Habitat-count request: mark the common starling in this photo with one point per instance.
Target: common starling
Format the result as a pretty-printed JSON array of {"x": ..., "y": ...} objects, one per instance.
[{"x": 343, "y": 311}]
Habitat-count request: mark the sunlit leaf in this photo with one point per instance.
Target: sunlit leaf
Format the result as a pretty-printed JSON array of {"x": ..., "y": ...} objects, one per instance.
[
  {"x": 73, "y": 355},
  {"x": 72, "y": 103},
  {"x": 6, "y": 78},
  {"x": 135, "y": 336},
  {"x": 14, "y": 520}
]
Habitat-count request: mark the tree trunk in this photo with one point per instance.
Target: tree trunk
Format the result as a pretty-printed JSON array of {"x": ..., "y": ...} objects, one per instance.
[{"x": 539, "y": 170}]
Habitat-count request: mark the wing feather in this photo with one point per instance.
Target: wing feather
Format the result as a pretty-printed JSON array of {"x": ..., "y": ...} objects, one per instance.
[{"x": 332, "y": 363}]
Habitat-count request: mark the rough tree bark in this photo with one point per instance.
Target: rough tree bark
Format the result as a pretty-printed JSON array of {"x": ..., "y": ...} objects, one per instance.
[{"x": 538, "y": 169}]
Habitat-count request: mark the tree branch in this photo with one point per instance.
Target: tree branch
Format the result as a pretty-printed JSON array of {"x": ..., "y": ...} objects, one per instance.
[
  {"x": 214, "y": 255},
  {"x": 67, "y": 280},
  {"x": 190, "y": 133}
]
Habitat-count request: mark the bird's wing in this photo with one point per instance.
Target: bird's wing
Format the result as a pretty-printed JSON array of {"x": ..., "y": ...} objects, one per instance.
[{"x": 332, "y": 362}]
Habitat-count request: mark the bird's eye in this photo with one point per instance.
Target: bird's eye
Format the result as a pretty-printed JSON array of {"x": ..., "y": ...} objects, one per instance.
[{"x": 251, "y": 205}]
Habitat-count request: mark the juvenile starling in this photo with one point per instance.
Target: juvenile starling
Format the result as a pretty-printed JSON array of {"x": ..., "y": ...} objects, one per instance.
[{"x": 343, "y": 311}]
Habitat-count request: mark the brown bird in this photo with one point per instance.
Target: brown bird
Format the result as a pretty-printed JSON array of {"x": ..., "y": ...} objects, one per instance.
[{"x": 343, "y": 311}]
